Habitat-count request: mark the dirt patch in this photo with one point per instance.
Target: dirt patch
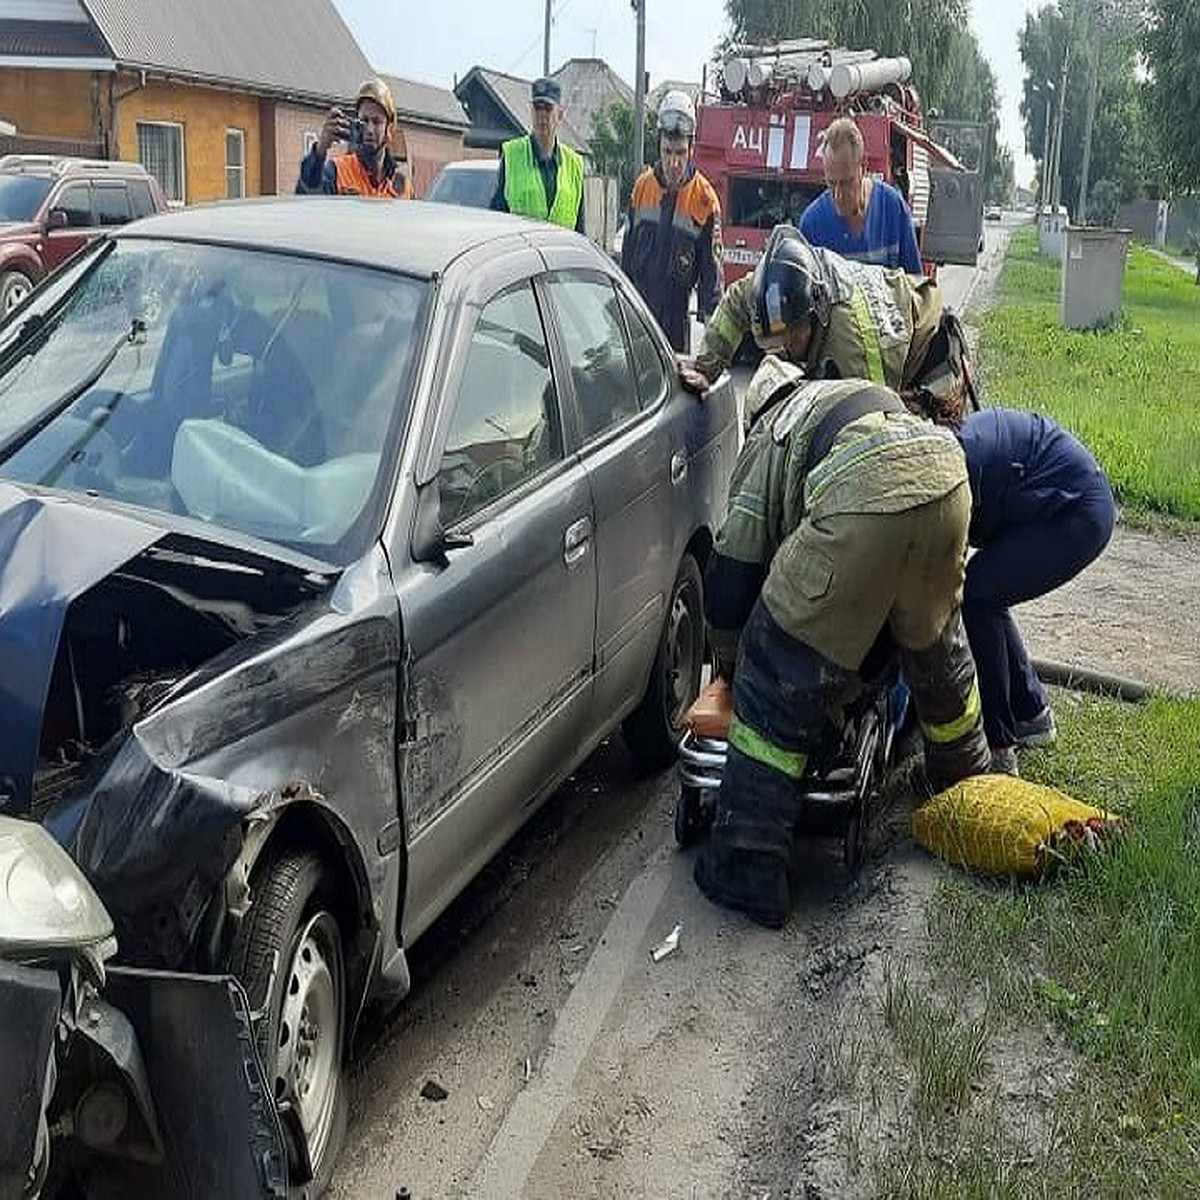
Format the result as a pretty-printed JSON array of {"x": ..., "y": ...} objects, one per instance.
[{"x": 1131, "y": 613}]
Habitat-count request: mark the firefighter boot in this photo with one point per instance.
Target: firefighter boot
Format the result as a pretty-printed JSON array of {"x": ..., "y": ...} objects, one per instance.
[{"x": 744, "y": 866}]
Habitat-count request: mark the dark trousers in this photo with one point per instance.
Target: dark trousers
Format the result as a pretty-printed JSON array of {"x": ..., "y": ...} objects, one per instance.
[{"x": 1024, "y": 562}]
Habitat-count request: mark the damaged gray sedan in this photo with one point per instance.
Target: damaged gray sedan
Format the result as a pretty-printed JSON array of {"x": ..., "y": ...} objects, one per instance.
[{"x": 333, "y": 536}]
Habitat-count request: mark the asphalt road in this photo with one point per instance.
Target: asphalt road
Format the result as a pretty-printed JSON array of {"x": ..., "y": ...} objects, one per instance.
[{"x": 574, "y": 1065}]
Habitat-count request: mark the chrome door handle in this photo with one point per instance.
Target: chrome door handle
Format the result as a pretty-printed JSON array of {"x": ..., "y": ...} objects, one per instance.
[
  {"x": 679, "y": 467},
  {"x": 576, "y": 540}
]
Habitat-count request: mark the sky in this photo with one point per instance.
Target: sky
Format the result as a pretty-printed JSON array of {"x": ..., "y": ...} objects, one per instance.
[{"x": 440, "y": 40}]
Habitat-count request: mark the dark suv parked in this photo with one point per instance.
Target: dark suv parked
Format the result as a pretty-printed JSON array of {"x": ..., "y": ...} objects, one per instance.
[{"x": 50, "y": 207}]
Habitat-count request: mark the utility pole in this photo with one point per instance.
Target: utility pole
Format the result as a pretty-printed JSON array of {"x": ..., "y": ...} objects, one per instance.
[
  {"x": 639, "y": 91},
  {"x": 1056, "y": 153},
  {"x": 1088, "y": 125},
  {"x": 1043, "y": 194},
  {"x": 1045, "y": 93},
  {"x": 546, "y": 42}
]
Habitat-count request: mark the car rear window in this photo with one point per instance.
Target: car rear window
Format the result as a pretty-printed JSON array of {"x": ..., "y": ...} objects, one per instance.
[
  {"x": 470, "y": 187},
  {"x": 140, "y": 198},
  {"x": 21, "y": 196},
  {"x": 248, "y": 389}
]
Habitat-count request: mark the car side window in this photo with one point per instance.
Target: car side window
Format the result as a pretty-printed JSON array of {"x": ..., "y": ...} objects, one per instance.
[
  {"x": 647, "y": 362},
  {"x": 505, "y": 428},
  {"x": 76, "y": 201},
  {"x": 111, "y": 202},
  {"x": 140, "y": 198},
  {"x": 589, "y": 316}
]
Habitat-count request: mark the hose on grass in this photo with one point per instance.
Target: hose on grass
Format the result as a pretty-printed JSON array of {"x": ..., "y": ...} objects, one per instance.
[{"x": 1086, "y": 679}]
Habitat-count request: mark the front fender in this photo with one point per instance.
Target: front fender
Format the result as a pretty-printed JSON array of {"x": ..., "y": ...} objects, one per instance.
[{"x": 21, "y": 258}]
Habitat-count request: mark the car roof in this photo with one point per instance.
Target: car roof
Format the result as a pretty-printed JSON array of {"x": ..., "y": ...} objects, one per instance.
[
  {"x": 56, "y": 165},
  {"x": 411, "y": 237},
  {"x": 473, "y": 164}
]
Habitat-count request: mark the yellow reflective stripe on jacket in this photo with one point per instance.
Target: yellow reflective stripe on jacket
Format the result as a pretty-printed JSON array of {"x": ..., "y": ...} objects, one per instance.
[
  {"x": 843, "y": 458},
  {"x": 951, "y": 731},
  {"x": 753, "y": 745},
  {"x": 870, "y": 336}
]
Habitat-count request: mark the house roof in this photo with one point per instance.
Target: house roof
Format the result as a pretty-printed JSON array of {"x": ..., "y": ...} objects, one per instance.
[
  {"x": 654, "y": 98},
  {"x": 589, "y": 85},
  {"x": 426, "y": 102},
  {"x": 299, "y": 48},
  {"x": 50, "y": 39},
  {"x": 511, "y": 93}
]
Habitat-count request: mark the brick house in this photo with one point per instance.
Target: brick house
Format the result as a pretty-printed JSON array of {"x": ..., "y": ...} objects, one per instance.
[{"x": 219, "y": 98}]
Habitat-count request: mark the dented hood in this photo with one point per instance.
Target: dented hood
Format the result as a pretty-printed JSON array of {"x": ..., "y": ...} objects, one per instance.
[{"x": 51, "y": 551}]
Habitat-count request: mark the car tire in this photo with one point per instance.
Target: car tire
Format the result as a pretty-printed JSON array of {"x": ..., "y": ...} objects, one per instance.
[
  {"x": 288, "y": 956},
  {"x": 14, "y": 287},
  {"x": 652, "y": 731}
]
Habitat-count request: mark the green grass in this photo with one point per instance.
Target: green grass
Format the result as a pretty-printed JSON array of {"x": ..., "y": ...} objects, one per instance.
[
  {"x": 1108, "y": 954},
  {"x": 1131, "y": 392},
  {"x": 947, "y": 1051}
]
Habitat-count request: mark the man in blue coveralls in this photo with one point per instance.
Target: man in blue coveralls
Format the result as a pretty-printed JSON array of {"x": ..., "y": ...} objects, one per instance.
[{"x": 859, "y": 217}]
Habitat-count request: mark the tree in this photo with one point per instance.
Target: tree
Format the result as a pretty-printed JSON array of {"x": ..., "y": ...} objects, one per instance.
[
  {"x": 923, "y": 31},
  {"x": 1000, "y": 180},
  {"x": 1098, "y": 42},
  {"x": 1172, "y": 48},
  {"x": 611, "y": 143},
  {"x": 970, "y": 81},
  {"x": 949, "y": 70}
]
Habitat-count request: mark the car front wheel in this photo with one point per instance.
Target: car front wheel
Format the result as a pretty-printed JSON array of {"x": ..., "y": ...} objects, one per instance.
[
  {"x": 288, "y": 955},
  {"x": 652, "y": 731},
  {"x": 14, "y": 287}
]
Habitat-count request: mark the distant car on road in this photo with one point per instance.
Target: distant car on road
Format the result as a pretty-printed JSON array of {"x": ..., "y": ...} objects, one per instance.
[
  {"x": 992, "y": 213},
  {"x": 51, "y": 206},
  {"x": 470, "y": 182},
  {"x": 333, "y": 537}
]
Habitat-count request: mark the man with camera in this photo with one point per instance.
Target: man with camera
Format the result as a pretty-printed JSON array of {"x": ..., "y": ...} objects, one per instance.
[{"x": 370, "y": 169}]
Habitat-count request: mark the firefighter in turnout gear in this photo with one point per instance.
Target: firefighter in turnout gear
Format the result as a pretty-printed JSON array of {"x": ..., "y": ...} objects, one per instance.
[
  {"x": 847, "y": 521},
  {"x": 673, "y": 241},
  {"x": 864, "y": 322}
]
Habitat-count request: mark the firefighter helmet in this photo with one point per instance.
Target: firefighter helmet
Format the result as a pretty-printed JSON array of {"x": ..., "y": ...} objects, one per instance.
[
  {"x": 375, "y": 89},
  {"x": 789, "y": 287},
  {"x": 677, "y": 115}
]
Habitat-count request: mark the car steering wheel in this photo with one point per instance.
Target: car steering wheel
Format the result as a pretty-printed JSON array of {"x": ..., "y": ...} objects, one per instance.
[{"x": 497, "y": 475}]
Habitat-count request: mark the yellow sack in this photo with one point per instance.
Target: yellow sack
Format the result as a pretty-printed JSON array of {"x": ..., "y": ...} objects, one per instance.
[{"x": 1008, "y": 826}]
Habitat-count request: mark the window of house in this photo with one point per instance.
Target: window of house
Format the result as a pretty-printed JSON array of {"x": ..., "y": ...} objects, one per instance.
[
  {"x": 111, "y": 203},
  {"x": 160, "y": 150},
  {"x": 505, "y": 426},
  {"x": 235, "y": 164},
  {"x": 76, "y": 201}
]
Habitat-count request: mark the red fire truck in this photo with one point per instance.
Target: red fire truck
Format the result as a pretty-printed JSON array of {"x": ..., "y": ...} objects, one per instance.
[{"x": 758, "y": 140}]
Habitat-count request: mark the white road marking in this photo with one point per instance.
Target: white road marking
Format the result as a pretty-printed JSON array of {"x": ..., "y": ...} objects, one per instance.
[{"x": 510, "y": 1158}]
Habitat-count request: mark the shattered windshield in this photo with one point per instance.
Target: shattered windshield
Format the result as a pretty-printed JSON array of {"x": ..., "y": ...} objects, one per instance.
[{"x": 252, "y": 390}]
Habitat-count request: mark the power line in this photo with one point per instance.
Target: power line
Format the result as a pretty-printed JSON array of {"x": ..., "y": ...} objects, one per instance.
[{"x": 555, "y": 13}]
